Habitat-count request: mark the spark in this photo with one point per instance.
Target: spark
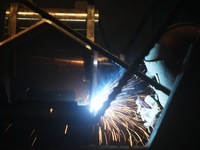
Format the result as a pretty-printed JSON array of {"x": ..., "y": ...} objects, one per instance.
[
  {"x": 31, "y": 133},
  {"x": 33, "y": 141},
  {"x": 8, "y": 127},
  {"x": 121, "y": 123},
  {"x": 66, "y": 128},
  {"x": 51, "y": 110}
]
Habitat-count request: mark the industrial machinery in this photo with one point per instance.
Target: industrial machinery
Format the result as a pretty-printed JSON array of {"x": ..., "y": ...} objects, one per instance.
[{"x": 59, "y": 89}]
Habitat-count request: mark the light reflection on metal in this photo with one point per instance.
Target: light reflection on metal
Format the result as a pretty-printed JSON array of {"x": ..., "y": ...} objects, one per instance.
[{"x": 88, "y": 47}]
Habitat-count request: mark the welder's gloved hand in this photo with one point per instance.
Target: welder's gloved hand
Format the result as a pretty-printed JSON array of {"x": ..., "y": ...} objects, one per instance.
[{"x": 148, "y": 110}]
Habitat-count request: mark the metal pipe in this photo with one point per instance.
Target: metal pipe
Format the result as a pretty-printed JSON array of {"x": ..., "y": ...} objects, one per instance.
[
  {"x": 73, "y": 17},
  {"x": 59, "y": 13}
]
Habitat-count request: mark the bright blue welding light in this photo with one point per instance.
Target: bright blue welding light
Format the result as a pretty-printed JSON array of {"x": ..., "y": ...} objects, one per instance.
[
  {"x": 98, "y": 100},
  {"x": 97, "y": 103},
  {"x": 104, "y": 90}
]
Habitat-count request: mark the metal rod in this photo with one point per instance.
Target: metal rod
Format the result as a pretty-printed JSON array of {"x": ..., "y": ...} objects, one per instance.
[
  {"x": 59, "y": 13},
  {"x": 76, "y": 18}
]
